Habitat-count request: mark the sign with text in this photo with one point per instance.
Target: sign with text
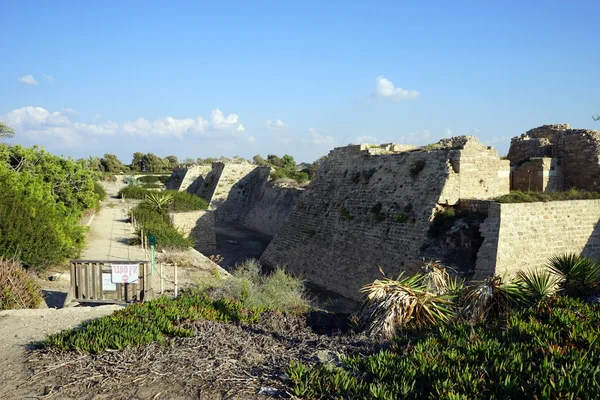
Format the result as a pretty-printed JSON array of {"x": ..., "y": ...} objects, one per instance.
[
  {"x": 125, "y": 273},
  {"x": 107, "y": 284}
]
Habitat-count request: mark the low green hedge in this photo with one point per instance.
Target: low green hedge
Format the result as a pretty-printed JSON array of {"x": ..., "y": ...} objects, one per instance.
[
  {"x": 133, "y": 192},
  {"x": 156, "y": 223}
]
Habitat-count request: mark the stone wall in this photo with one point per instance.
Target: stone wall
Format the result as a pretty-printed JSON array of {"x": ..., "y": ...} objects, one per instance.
[
  {"x": 268, "y": 211},
  {"x": 526, "y": 235},
  {"x": 199, "y": 225},
  {"x": 576, "y": 151},
  {"x": 541, "y": 174},
  {"x": 367, "y": 209}
]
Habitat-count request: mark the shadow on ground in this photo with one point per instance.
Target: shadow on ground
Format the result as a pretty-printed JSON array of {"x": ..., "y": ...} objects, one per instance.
[{"x": 54, "y": 299}]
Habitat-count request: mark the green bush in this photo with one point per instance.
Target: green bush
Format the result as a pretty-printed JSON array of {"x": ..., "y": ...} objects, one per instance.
[
  {"x": 152, "y": 321},
  {"x": 152, "y": 185},
  {"x": 156, "y": 223},
  {"x": 133, "y": 192},
  {"x": 276, "y": 291},
  {"x": 100, "y": 191},
  {"x": 149, "y": 179},
  {"x": 34, "y": 228},
  {"x": 183, "y": 201},
  {"x": 524, "y": 356},
  {"x": 18, "y": 289},
  {"x": 287, "y": 173}
]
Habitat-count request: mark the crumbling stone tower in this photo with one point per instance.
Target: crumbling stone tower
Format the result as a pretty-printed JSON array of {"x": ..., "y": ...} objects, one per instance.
[{"x": 553, "y": 158}]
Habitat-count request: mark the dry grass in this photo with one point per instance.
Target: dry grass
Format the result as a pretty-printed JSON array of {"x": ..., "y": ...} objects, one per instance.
[
  {"x": 181, "y": 259},
  {"x": 18, "y": 289}
]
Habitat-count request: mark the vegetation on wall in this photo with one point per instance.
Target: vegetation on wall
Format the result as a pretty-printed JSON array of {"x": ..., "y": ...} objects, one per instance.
[{"x": 517, "y": 196}]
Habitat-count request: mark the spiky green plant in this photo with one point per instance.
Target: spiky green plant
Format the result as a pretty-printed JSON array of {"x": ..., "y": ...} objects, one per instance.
[
  {"x": 578, "y": 276},
  {"x": 131, "y": 180},
  {"x": 537, "y": 285},
  {"x": 491, "y": 297},
  {"x": 389, "y": 305},
  {"x": 159, "y": 201}
]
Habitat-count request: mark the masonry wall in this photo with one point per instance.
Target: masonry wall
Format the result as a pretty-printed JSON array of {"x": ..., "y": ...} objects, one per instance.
[
  {"x": 526, "y": 235},
  {"x": 540, "y": 174},
  {"x": 268, "y": 210},
  {"x": 207, "y": 189},
  {"x": 236, "y": 185},
  {"x": 578, "y": 150},
  {"x": 199, "y": 225},
  {"x": 194, "y": 178},
  {"x": 367, "y": 209},
  {"x": 174, "y": 182}
]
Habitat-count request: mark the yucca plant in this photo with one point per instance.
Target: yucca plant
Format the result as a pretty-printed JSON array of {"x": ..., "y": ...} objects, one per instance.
[
  {"x": 389, "y": 305},
  {"x": 159, "y": 201},
  {"x": 491, "y": 297},
  {"x": 435, "y": 277},
  {"x": 537, "y": 285},
  {"x": 131, "y": 180},
  {"x": 578, "y": 276}
]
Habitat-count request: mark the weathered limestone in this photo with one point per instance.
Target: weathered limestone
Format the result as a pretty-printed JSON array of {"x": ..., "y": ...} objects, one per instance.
[
  {"x": 575, "y": 155},
  {"x": 200, "y": 225},
  {"x": 525, "y": 235},
  {"x": 540, "y": 174},
  {"x": 368, "y": 208}
]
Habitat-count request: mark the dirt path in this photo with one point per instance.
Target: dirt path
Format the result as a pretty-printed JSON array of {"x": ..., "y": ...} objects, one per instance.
[{"x": 107, "y": 240}]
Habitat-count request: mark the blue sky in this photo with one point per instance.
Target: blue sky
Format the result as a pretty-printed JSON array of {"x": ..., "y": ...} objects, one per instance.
[{"x": 200, "y": 79}]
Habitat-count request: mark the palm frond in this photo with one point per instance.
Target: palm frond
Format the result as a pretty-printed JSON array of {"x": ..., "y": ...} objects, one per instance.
[
  {"x": 578, "y": 276},
  {"x": 491, "y": 297},
  {"x": 537, "y": 284}
]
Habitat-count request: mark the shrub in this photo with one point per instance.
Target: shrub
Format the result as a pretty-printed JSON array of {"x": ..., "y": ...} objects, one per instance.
[
  {"x": 152, "y": 185},
  {"x": 184, "y": 201},
  {"x": 282, "y": 173},
  {"x": 276, "y": 291},
  {"x": 131, "y": 180},
  {"x": 523, "y": 356},
  {"x": 376, "y": 213},
  {"x": 133, "y": 192},
  {"x": 156, "y": 223},
  {"x": 491, "y": 297},
  {"x": 577, "y": 276},
  {"x": 400, "y": 218},
  {"x": 33, "y": 227},
  {"x": 149, "y": 179},
  {"x": 152, "y": 321},
  {"x": 100, "y": 191},
  {"x": 390, "y": 305},
  {"x": 18, "y": 289}
]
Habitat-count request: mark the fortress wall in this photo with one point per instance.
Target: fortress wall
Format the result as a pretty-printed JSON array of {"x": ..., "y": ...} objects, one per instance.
[
  {"x": 199, "y": 225},
  {"x": 269, "y": 210},
  {"x": 194, "y": 178},
  {"x": 177, "y": 176},
  {"x": 578, "y": 151},
  {"x": 335, "y": 239},
  {"x": 209, "y": 185},
  {"x": 237, "y": 186},
  {"x": 526, "y": 235}
]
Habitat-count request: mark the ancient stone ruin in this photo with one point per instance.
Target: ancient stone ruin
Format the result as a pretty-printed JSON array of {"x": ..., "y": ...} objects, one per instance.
[{"x": 392, "y": 206}]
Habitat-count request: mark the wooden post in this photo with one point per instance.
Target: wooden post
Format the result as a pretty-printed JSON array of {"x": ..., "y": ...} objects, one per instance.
[
  {"x": 176, "y": 286},
  {"x": 94, "y": 278},
  {"x": 78, "y": 281},
  {"x": 101, "y": 282},
  {"x": 73, "y": 280},
  {"x": 161, "y": 279}
]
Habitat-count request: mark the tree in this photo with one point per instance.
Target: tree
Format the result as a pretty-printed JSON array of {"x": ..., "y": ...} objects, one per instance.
[
  {"x": 288, "y": 162},
  {"x": 137, "y": 162},
  {"x": 154, "y": 163},
  {"x": 275, "y": 160},
  {"x": 258, "y": 160},
  {"x": 110, "y": 163},
  {"x": 172, "y": 161},
  {"x": 188, "y": 162},
  {"x": 6, "y": 131}
]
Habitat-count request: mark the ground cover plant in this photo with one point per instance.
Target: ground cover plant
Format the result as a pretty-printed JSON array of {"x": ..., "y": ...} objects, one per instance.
[
  {"x": 533, "y": 337},
  {"x": 546, "y": 351},
  {"x": 518, "y": 196},
  {"x": 152, "y": 321}
]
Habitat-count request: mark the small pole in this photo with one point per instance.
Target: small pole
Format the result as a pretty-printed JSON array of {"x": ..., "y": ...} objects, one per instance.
[
  {"x": 161, "y": 279},
  {"x": 142, "y": 237},
  {"x": 176, "y": 286},
  {"x": 152, "y": 247}
]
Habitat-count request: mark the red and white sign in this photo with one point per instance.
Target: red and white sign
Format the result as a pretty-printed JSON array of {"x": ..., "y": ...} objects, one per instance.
[{"x": 125, "y": 273}]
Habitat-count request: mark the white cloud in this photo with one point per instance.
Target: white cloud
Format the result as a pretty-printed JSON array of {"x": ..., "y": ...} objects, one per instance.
[
  {"x": 70, "y": 111},
  {"x": 421, "y": 134},
  {"x": 38, "y": 123},
  {"x": 448, "y": 132},
  {"x": 386, "y": 88},
  {"x": 277, "y": 124},
  {"x": 318, "y": 139},
  {"x": 476, "y": 130},
  {"x": 366, "y": 139},
  {"x": 48, "y": 78},
  {"x": 28, "y": 80}
]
